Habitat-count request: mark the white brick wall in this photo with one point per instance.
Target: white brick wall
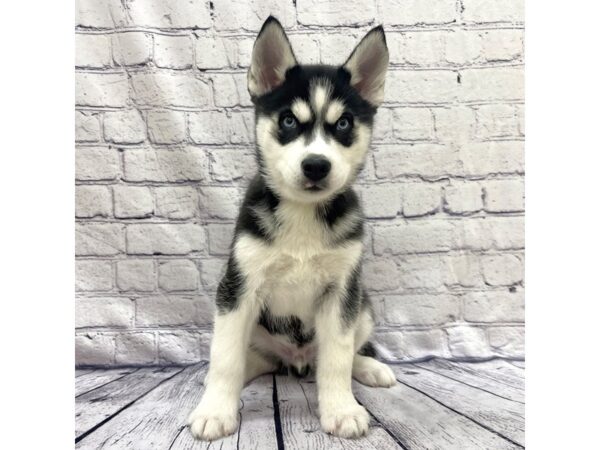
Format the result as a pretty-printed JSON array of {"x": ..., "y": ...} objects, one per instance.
[{"x": 164, "y": 132}]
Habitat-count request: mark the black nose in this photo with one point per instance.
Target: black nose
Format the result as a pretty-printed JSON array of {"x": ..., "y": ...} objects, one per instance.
[{"x": 316, "y": 168}]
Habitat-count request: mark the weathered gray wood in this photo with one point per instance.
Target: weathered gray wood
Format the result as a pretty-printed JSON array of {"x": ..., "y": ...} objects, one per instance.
[
  {"x": 94, "y": 379},
  {"x": 257, "y": 424},
  {"x": 300, "y": 422},
  {"x": 79, "y": 372},
  {"x": 497, "y": 370},
  {"x": 520, "y": 364},
  {"x": 474, "y": 377},
  {"x": 503, "y": 416},
  {"x": 418, "y": 422},
  {"x": 96, "y": 406}
]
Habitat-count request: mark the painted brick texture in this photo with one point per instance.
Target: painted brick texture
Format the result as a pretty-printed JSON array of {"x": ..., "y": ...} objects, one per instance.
[{"x": 164, "y": 130}]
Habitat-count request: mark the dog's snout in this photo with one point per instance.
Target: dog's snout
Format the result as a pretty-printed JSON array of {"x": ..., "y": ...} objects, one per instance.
[{"x": 315, "y": 167}]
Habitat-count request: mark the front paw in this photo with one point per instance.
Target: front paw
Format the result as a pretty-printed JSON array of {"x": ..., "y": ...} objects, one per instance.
[
  {"x": 350, "y": 421},
  {"x": 211, "y": 423}
]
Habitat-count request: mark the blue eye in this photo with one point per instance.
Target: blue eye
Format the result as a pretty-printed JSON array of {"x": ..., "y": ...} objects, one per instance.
[
  {"x": 342, "y": 124},
  {"x": 289, "y": 122}
]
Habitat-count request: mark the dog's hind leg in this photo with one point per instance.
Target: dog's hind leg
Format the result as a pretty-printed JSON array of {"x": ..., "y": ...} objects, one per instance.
[{"x": 257, "y": 365}]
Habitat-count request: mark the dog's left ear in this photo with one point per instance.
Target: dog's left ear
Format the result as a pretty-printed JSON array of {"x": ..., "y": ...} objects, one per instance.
[
  {"x": 368, "y": 65},
  {"x": 272, "y": 56}
]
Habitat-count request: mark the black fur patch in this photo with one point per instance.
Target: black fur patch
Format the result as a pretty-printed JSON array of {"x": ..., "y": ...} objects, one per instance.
[
  {"x": 257, "y": 195},
  {"x": 290, "y": 326},
  {"x": 352, "y": 298},
  {"x": 368, "y": 349},
  {"x": 228, "y": 292},
  {"x": 333, "y": 211}
]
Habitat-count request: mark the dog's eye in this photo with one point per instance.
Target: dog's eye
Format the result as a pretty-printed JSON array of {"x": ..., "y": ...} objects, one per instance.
[
  {"x": 343, "y": 123},
  {"x": 289, "y": 122}
]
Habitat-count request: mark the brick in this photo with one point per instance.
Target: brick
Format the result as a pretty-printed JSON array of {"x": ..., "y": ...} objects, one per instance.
[
  {"x": 468, "y": 342},
  {"x": 136, "y": 275},
  {"x": 87, "y": 127},
  {"x": 173, "y": 311},
  {"x": 422, "y": 272},
  {"x": 131, "y": 48},
  {"x": 427, "y": 160},
  {"x": 92, "y": 51},
  {"x": 93, "y": 275},
  {"x": 411, "y": 345},
  {"x": 497, "y": 121},
  {"x": 422, "y": 48},
  {"x": 501, "y": 233},
  {"x": 169, "y": 14},
  {"x": 455, "y": 124},
  {"x": 162, "y": 165},
  {"x": 491, "y": 11},
  {"x": 413, "y": 12},
  {"x": 166, "y": 127},
  {"x": 104, "y": 312},
  {"x": 250, "y": 16},
  {"x": 462, "y": 46},
  {"x": 211, "y": 272},
  {"x": 413, "y": 124},
  {"x": 494, "y": 157},
  {"x": 220, "y": 236},
  {"x": 101, "y": 89},
  {"x": 124, "y": 127},
  {"x": 423, "y": 236},
  {"x": 335, "y": 48},
  {"x": 172, "y": 89},
  {"x": 504, "y": 195},
  {"x": 212, "y": 54},
  {"x": 92, "y": 201},
  {"x": 507, "y": 341},
  {"x": 502, "y": 270},
  {"x": 502, "y": 45},
  {"x": 463, "y": 197},
  {"x": 383, "y": 129},
  {"x": 231, "y": 90},
  {"x": 179, "y": 202},
  {"x": 229, "y": 165},
  {"x": 421, "y": 199},
  {"x": 492, "y": 83},
  {"x": 335, "y": 12},
  {"x": 94, "y": 349},
  {"x": 219, "y": 202},
  {"x": 381, "y": 275},
  {"x": 463, "y": 271},
  {"x": 178, "y": 275},
  {"x": 165, "y": 239},
  {"x": 96, "y": 163},
  {"x": 381, "y": 200},
  {"x": 133, "y": 202},
  {"x": 100, "y": 13},
  {"x": 183, "y": 347},
  {"x": 99, "y": 239},
  {"x": 136, "y": 348},
  {"x": 173, "y": 52},
  {"x": 420, "y": 309},
  {"x": 422, "y": 86},
  {"x": 213, "y": 127},
  {"x": 495, "y": 306},
  {"x": 307, "y": 49}
]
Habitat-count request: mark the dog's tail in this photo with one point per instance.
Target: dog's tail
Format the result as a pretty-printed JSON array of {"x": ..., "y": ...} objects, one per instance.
[{"x": 376, "y": 350}]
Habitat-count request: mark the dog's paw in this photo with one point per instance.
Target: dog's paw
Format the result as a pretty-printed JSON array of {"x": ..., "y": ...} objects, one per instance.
[
  {"x": 346, "y": 422},
  {"x": 209, "y": 424},
  {"x": 375, "y": 374}
]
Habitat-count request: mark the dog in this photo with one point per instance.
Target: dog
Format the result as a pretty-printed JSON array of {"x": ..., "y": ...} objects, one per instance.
[{"x": 291, "y": 294}]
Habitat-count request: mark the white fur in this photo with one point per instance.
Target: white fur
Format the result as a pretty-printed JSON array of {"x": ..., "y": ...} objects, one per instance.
[
  {"x": 301, "y": 110},
  {"x": 334, "y": 111}
]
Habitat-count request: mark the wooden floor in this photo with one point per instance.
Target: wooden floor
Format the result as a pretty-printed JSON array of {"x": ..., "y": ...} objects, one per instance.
[{"x": 435, "y": 405}]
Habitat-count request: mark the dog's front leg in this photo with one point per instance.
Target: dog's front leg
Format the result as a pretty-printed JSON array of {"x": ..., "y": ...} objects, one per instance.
[
  {"x": 217, "y": 414},
  {"x": 341, "y": 415}
]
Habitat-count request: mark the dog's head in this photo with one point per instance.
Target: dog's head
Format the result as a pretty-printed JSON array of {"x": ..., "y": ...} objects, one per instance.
[{"x": 313, "y": 123}]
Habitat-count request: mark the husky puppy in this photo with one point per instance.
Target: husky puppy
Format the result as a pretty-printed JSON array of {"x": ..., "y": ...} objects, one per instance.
[{"x": 292, "y": 293}]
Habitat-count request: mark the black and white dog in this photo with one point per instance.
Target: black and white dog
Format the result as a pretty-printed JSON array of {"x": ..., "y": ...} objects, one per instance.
[{"x": 292, "y": 292}]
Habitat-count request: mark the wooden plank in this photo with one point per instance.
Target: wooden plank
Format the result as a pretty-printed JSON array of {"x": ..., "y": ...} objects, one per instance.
[
  {"x": 257, "y": 423},
  {"x": 474, "y": 377},
  {"x": 300, "y": 423},
  {"x": 94, "y": 407},
  {"x": 520, "y": 364},
  {"x": 94, "y": 379},
  {"x": 497, "y": 370},
  {"x": 79, "y": 372},
  {"x": 500, "y": 415}
]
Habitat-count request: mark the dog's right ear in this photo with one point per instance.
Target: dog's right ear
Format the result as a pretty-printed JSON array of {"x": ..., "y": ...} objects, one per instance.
[{"x": 272, "y": 56}]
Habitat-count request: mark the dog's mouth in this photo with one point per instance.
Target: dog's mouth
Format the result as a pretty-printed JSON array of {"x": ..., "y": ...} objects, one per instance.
[{"x": 313, "y": 187}]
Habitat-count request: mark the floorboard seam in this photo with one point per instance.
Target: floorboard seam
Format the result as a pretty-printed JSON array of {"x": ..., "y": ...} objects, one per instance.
[
  {"x": 107, "y": 383},
  {"x": 467, "y": 384},
  {"x": 98, "y": 425},
  {"x": 277, "y": 417},
  {"x": 381, "y": 425},
  {"x": 491, "y": 430}
]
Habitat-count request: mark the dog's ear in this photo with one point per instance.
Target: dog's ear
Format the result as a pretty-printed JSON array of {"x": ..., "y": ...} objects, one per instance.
[
  {"x": 368, "y": 65},
  {"x": 272, "y": 56}
]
